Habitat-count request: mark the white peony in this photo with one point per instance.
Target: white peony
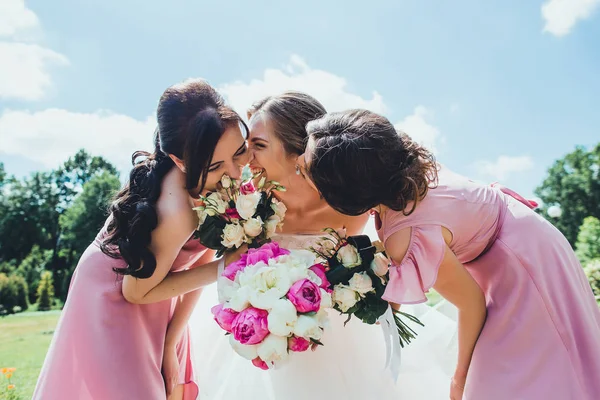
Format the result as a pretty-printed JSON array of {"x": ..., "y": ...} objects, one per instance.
[
  {"x": 233, "y": 235},
  {"x": 273, "y": 349},
  {"x": 226, "y": 289},
  {"x": 246, "y": 204},
  {"x": 326, "y": 300},
  {"x": 380, "y": 265},
  {"x": 308, "y": 327},
  {"x": 361, "y": 283},
  {"x": 344, "y": 297},
  {"x": 279, "y": 208},
  {"x": 240, "y": 299},
  {"x": 249, "y": 352},
  {"x": 268, "y": 285},
  {"x": 253, "y": 227},
  {"x": 323, "y": 318},
  {"x": 215, "y": 201},
  {"x": 349, "y": 257},
  {"x": 282, "y": 318},
  {"x": 271, "y": 225}
]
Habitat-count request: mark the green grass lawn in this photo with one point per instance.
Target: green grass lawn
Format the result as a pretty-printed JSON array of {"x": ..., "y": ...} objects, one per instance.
[{"x": 24, "y": 340}]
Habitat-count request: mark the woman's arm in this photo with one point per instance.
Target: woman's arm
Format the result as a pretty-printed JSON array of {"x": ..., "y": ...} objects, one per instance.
[
  {"x": 185, "y": 306},
  {"x": 456, "y": 285}
]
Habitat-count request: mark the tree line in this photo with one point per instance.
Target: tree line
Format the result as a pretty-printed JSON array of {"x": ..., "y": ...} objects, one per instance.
[{"x": 48, "y": 219}]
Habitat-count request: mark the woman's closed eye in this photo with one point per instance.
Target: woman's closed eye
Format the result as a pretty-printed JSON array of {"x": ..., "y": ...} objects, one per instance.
[
  {"x": 241, "y": 151},
  {"x": 215, "y": 167}
]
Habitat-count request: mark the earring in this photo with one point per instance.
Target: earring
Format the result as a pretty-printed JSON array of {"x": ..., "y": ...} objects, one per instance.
[{"x": 297, "y": 169}]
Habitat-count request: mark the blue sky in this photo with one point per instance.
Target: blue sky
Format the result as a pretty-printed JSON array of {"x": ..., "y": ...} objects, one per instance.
[{"x": 499, "y": 90}]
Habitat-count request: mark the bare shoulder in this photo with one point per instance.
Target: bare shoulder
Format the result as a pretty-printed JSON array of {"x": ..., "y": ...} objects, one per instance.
[
  {"x": 396, "y": 246},
  {"x": 355, "y": 225},
  {"x": 174, "y": 207}
]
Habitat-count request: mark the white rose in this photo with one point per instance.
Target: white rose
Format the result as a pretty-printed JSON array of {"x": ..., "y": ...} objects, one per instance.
[
  {"x": 273, "y": 349},
  {"x": 240, "y": 299},
  {"x": 380, "y": 265},
  {"x": 215, "y": 201},
  {"x": 308, "y": 327},
  {"x": 323, "y": 318},
  {"x": 282, "y": 318},
  {"x": 249, "y": 352},
  {"x": 253, "y": 227},
  {"x": 202, "y": 214},
  {"x": 344, "y": 297},
  {"x": 326, "y": 300},
  {"x": 271, "y": 225},
  {"x": 226, "y": 289},
  {"x": 226, "y": 181},
  {"x": 348, "y": 255},
  {"x": 361, "y": 283},
  {"x": 279, "y": 208},
  {"x": 210, "y": 211},
  {"x": 246, "y": 204},
  {"x": 233, "y": 235}
]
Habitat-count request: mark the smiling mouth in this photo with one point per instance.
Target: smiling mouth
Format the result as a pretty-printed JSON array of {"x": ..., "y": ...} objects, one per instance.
[{"x": 256, "y": 170}]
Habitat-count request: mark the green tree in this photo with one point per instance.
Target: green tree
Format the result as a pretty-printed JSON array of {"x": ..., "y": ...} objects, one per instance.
[
  {"x": 31, "y": 269},
  {"x": 45, "y": 292},
  {"x": 13, "y": 292},
  {"x": 588, "y": 240},
  {"x": 573, "y": 182},
  {"x": 82, "y": 221},
  {"x": 2, "y": 174}
]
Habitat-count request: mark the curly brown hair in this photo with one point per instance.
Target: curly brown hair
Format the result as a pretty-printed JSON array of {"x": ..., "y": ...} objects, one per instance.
[{"x": 358, "y": 161}]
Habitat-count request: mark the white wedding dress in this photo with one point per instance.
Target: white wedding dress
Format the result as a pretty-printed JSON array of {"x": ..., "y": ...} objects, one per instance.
[{"x": 351, "y": 365}]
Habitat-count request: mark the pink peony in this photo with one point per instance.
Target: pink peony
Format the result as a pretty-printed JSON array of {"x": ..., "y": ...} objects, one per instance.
[
  {"x": 232, "y": 269},
  {"x": 298, "y": 344},
  {"x": 232, "y": 213},
  {"x": 305, "y": 295},
  {"x": 319, "y": 269},
  {"x": 224, "y": 316},
  {"x": 247, "y": 188},
  {"x": 257, "y": 362},
  {"x": 250, "y": 326},
  {"x": 264, "y": 253}
]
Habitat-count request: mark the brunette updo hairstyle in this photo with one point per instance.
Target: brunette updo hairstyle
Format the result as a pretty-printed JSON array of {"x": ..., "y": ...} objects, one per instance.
[
  {"x": 289, "y": 113},
  {"x": 192, "y": 117},
  {"x": 358, "y": 160}
]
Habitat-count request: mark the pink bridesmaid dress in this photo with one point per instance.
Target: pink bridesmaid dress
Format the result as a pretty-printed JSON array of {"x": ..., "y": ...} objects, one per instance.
[
  {"x": 541, "y": 339},
  {"x": 105, "y": 348}
]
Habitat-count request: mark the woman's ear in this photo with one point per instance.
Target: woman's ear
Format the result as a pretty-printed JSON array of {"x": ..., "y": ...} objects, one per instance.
[{"x": 178, "y": 162}]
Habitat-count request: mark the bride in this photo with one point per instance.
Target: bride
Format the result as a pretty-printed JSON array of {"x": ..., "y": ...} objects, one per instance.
[{"x": 352, "y": 363}]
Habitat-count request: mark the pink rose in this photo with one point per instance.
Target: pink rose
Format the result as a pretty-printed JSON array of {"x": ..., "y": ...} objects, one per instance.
[
  {"x": 319, "y": 270},
  {"x": 247, "y": 188},
  {"x": 264, "y": 253},
  {"x": 305, "y": 295},
  {"x": 250, "y": 326},
  {"x": 231, "y": 271},
  {"x": 224, "y": 316},
  {"x": 257, "y": 362},
  {"x": 232, "y": 213},
  {"x": 298, "y": 344}
]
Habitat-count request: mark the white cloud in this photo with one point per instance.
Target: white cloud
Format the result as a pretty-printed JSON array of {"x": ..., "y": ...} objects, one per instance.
[
  {"x": 420, "y": 130},
  {"x": 51, "y": 136},
  {"x": 562, "y": 15},
  {"x": 16, "y": 17},
  {"x": 25, "y": 70},
  {"x": 25, "y": 66},
  {"x": 504, "y": 166},
  {"x": 330, "y": 89}
]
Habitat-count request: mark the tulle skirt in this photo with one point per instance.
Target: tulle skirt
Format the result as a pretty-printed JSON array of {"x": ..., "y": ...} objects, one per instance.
[{"x": 351, "y": 364}]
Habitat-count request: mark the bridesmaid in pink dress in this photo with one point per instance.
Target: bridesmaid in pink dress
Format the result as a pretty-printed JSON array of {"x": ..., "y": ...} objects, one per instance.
[
  {"x": 529, "y": 327},
  {"x": 123, "y": 331}
]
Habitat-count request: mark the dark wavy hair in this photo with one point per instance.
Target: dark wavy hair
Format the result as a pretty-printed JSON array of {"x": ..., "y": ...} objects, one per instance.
[
  {"x": 289, "y": 113},
  {"x": 358, "y": 161},
  {"x": 191, "y": 117}
]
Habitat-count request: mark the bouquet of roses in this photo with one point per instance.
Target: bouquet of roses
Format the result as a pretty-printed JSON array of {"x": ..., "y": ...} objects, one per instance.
[
  {"x": 357, "y": 273},
  {"x": 272, "y": 302},
  {"x": 239, "y": 213}
]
